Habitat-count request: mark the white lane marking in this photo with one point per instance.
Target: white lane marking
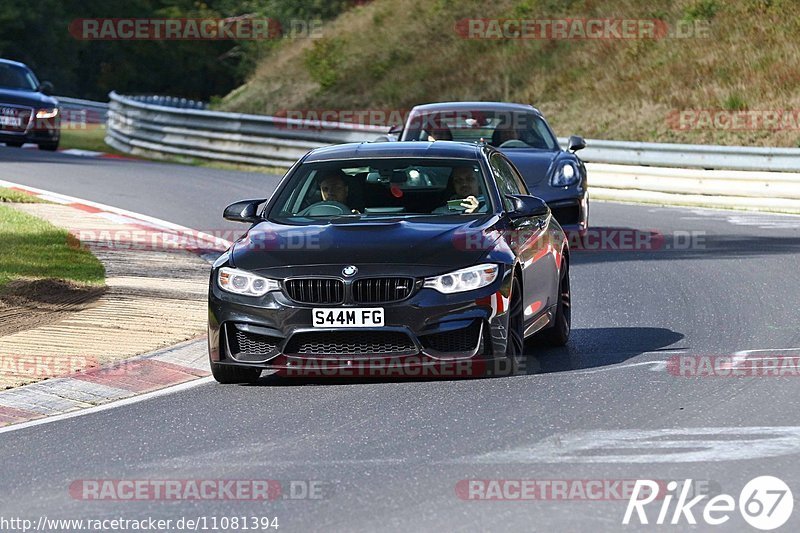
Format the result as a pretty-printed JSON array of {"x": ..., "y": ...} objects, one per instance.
[
  {"x": 658, "y": 366},
  {"x": 82, "y": 153},
  {"x": 755, "y": 219},
  {"x": 113, "y": 405},
  {"x": 164, "y": 224},
  {"x": 772, "y": 350},
  {"x": 53, "y": 199},
  {"x": 621, "y": 367},
  {"x": 119, "y": 219},
  {"x": 680, "y": 445}
]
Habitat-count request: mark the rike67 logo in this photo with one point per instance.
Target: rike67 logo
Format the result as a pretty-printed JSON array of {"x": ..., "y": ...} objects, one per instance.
[{"x": 765, "y": 503}]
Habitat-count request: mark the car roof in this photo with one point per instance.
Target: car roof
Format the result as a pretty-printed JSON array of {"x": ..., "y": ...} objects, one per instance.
[
  {"x": 474, "y": 106},
  {"x": 409, "y": 149},
  {"x": 10, "y": 62}
]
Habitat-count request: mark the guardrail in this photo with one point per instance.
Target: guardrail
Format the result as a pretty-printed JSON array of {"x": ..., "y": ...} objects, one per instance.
[
  {"x": 144, "y": 128},
  {"x": 752, "y": 190},
  {"x": 170, "y": 101},
  {"x": 691, "y": 155},
  {"x": 75, "y": 110},
  {"x": 760, "y": 178}
]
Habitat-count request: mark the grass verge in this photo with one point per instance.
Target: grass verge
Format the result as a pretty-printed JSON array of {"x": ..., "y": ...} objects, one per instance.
[
  {"x": 35, "y": 249},
  {"x": 92, "y": 138},
  {"x": 19, "y": 197}
]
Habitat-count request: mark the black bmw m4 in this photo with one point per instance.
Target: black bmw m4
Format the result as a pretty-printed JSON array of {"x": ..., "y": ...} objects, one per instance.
[{"x": 390, "y": 259}]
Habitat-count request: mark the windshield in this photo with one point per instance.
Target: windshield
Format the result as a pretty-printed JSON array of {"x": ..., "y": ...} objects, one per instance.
[
  {"x": 381, "y": 188},
  {"x": 19, "y": 78},
  {"x": 502, "y": 129}
]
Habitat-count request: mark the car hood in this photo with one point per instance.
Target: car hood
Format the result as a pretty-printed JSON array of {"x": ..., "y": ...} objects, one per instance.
[
  {"x": 433, "y": 241},
  {"x": 534, "y": 165},
  {"x": 26, "y": 98}
]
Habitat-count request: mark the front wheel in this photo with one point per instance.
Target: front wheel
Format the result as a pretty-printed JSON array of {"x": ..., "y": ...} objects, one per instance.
[
  {"x": 558, "y": 334},
  {"x": 229, "y": 375},
  {"x": 515, "y": 341}
]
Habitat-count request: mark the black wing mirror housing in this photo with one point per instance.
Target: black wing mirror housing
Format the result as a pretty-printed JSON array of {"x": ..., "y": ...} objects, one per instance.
[
  {"x": 46, "y": 88},
  {"x": 244, "y": 211},
  {"x": 527, "y": 206},
  {"x": 575, "y": 143}
]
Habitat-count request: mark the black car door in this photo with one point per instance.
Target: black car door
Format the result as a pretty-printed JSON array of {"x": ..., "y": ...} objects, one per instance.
[{"x": 530, "y": 241}]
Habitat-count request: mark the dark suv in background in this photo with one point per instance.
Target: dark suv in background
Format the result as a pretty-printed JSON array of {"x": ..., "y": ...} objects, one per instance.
[{"x": 28, "y": 114}]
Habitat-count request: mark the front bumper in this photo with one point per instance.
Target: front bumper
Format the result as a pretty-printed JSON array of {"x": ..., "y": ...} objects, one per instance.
[
  {"x": 29, "y": 128},
  {"x": 35, "y": 135},
  {"x": 427, "y": 334},
  {"x": 572, "y": 214}
]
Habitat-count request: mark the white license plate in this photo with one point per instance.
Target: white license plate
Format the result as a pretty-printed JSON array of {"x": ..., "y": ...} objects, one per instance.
[
  {"x": 357, "y": 317},
  {"x": 14, "y": 122}
]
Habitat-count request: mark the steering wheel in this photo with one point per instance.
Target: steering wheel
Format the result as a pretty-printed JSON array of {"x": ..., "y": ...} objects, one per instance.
[
  {"x": 324, "y": 208},
  {"x": 513, "y": 143}
]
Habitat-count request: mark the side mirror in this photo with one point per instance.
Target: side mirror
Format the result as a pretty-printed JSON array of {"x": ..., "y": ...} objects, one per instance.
[
  {"x": 46, "y": 88},
  {"x": 527, "y": 206},
  {"x": 576, "y": 143},
  {"x": 395, "y": 129},
  {"x": 244, "y": 211}
]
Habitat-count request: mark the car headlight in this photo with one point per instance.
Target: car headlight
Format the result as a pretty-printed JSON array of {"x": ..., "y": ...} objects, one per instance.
[
  {"x": 47, "y": 113},
  {"x": 466, "y": 279},
  {"x": 565, "y": 176},
  {"x": 243, "y": 282}
]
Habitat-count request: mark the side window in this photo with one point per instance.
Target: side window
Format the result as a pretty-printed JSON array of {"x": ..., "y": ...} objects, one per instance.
[
  {"x": 521, "y": 185},
  {"x": 507, "y": 181}
]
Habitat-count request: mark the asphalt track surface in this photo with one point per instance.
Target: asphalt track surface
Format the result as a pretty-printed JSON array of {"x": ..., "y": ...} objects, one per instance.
[{"x": 389, "y": 455}]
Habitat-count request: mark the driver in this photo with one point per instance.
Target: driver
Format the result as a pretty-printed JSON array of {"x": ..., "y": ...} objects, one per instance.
[
  {"x": 503, "y": 134},
  {"x": 333, "y": 188}
]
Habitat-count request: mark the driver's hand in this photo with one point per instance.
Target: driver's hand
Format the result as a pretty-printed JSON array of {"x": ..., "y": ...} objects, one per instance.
[{"x": 470, "y": 204}]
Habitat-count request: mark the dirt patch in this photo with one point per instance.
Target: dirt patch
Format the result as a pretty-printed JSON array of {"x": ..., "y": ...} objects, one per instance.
[{"x": 26, "y": 304}]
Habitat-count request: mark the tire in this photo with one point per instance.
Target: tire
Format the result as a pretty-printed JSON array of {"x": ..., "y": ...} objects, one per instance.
[
  {"x": 229, "y": 375},
  {"x": 14, "y": 144},
  {"x": 558, "y": 333},
  {"x": 49, "y": 147},
  {"x": 515, "y": 343}
]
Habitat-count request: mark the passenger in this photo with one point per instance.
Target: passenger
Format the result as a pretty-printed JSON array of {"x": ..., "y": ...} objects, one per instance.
[{"x": 466, "y": 187}]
